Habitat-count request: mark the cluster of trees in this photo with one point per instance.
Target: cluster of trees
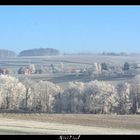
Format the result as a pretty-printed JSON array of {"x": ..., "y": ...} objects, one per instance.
[
  {"x": 97, "y": 97},
  {"x": 78, "y": 97},
  {"x": 26, "y": 94},
  {"x": 39, "y": 52}
]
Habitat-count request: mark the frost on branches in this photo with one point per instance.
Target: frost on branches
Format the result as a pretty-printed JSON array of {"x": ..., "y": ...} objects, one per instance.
[
  {"x": 11, "y": 92},
  {"x": 97, "y": 97}
]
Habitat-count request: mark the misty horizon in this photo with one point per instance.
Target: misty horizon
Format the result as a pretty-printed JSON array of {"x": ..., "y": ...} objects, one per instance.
[{"x": 80, "y": 52}]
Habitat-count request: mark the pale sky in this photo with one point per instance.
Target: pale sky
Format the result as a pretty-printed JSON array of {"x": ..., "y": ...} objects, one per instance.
[{"x": 71, "y": 29}]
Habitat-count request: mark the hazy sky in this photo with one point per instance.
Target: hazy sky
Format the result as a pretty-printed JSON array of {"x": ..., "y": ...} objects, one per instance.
[{"x": 71, "y": 28}]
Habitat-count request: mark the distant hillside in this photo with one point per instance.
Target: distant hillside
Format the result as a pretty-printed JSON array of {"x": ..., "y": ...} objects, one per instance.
[
  {"x": 39, "y": 52},
  {"x": 114, "y": 54},
  {"x": 6, "y": 53}
]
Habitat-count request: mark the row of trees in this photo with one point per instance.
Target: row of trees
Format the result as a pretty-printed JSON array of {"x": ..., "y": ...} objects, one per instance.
[
  {"x": 77, "y": 97},
  {"x": 97, "y": 97},
  {"x": 26, "y": 94}
]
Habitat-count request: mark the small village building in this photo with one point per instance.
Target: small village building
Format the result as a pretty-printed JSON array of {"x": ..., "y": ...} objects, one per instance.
[{"x": 27, "y": 71}]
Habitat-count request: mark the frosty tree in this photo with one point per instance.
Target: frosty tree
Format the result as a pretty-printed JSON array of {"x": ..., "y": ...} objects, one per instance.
[
  {"x": 99, "y": 97},
  {"x": 30, "y": 94},
  {"x": 47, "y": 92},
  {"x": 72, "y": 98},
  {"x": 11, "y": 92},
  {"x": 124, "y": 98}
]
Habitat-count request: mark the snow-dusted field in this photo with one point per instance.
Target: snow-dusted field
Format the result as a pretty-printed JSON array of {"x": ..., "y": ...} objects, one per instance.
[
  {"x": 36, "y": 127},
  {"x": 20, "y": 125}
]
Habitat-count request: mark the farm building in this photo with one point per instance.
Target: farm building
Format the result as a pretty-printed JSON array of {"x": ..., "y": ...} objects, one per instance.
[{"x": 24, "y": 70}]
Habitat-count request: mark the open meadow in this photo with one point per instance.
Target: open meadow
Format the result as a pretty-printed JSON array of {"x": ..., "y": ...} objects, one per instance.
[{"x": 13, "y": 123}]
